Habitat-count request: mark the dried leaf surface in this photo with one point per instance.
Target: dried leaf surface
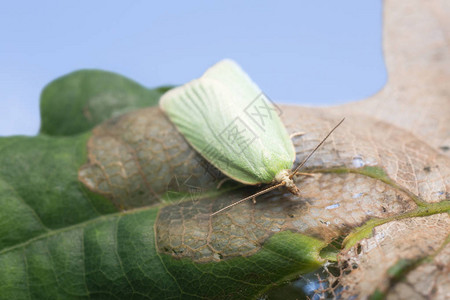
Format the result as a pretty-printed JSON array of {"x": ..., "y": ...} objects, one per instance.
[{"x": 391, "y": 157}]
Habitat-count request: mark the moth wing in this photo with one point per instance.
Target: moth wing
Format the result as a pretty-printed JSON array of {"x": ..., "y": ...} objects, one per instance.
[{"x": 227, "y": 119}]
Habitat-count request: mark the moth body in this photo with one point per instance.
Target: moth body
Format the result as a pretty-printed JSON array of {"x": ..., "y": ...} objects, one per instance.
[
  {"x": 284, "y": 177},
  {"x": 226, "y": 118}
]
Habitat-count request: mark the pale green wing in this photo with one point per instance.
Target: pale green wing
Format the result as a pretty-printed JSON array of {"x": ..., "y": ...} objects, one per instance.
[{"x": 228, "y": 120}]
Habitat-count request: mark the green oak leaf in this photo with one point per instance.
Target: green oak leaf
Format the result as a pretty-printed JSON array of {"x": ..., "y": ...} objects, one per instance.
[
  {"x": 78, "y": 101},
  {"x": 59, "y": 240}
]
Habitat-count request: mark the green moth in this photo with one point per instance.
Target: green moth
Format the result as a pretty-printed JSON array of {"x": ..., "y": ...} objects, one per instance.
[{"x": 226, "y": 118}]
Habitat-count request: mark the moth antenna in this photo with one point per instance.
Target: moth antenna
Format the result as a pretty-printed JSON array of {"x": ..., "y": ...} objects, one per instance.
[
  {"x": 248, "y": 198},
  {"x": 315, "y": 149}
]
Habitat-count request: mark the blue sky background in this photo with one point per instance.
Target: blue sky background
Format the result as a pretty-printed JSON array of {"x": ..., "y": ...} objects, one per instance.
[{"x": 303, "y": 52}]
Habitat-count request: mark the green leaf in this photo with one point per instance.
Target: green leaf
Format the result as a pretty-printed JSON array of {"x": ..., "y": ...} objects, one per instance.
[
  {"x": 78, "y": 101},
  {"x": 59, "y": 239},
  {"x": 39, "y": 181},
  {"x": 115, "y": 257}
]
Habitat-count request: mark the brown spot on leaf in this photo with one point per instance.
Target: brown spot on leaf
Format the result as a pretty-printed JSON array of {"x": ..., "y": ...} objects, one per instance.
[
  {"x": 410, "y": 239},
  {"x": 242, "y": 230},
  {"x": 138, "y": 157}
]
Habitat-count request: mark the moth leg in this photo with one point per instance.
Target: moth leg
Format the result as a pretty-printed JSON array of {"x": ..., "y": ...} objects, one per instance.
[
  {"x": 298, "y": 133},
  {"x": 306, "y": 174},
  {"x": 222, "y": 182},
  {"x": 254, "y": 200}
]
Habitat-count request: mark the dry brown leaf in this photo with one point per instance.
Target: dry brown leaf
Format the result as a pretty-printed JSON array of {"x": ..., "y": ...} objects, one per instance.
[
  {"x": 416, "y": 99},
  {"x": 403, "y": 131}
]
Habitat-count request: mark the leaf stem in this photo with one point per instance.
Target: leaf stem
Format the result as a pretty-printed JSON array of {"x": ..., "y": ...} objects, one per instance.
[{"x": 365, "y": 230}]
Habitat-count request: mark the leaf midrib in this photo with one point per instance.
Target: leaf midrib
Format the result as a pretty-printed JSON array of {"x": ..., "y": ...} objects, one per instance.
[{"x": 53, "y": 232}]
